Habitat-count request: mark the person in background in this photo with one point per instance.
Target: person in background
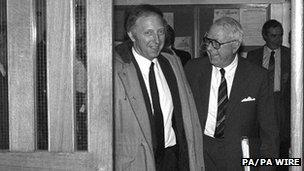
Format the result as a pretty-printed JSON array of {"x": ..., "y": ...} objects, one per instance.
[
  {"x": 2, "y": 50},
  {"x": 276, "y": 59},
  {"x": 233, "y": 99},
  {"x": 4, "y": 127},
  {"x": 80, "y": 71},
  {"x": 80, "y": 84},
  {"x": 2, "y": 70},
  {"x": 156, "y": 122},
  {"x": 169, "y": 46}
]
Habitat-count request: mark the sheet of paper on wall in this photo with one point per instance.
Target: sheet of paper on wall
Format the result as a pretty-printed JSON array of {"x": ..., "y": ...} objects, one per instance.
[
  {"x": 233, "y": 13},
  {"x": 184, "y": 43},
  {"x": 252, "y": 20},
  {"x": 169, "y": 17}
]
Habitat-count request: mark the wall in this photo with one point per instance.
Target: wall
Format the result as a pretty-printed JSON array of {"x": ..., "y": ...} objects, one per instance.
[
  {"x": 278, "y": 9},
  {"x": 281, "y": 12},
  {"x": 179, "y": 2}
]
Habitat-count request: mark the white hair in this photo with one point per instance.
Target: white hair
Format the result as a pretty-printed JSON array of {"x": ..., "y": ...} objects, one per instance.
[{"x": 232, "y": 27}]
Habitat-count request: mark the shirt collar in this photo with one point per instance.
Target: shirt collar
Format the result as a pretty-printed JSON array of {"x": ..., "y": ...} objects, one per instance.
[
  {"x": 268, "y": 50},
  {"x": 143, "y": 63},
  {"x": 231, "y": 67}
]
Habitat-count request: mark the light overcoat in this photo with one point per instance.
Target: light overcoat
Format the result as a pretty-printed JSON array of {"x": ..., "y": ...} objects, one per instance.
[{"x": 133, "y": 143}]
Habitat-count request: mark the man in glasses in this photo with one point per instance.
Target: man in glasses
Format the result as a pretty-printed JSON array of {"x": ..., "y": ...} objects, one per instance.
[
  {"x": 233, "y": 99},
  {"x": 276, "y": 59}
]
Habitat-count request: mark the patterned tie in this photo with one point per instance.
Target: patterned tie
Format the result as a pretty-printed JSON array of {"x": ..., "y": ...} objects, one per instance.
[
  {"x": 221, "y": 107},
  {"x": 157, "y": 114}
]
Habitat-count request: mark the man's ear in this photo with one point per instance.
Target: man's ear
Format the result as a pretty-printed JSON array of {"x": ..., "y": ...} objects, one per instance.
[
  {"x": 131, "y": 36},
  {"x": 236, "y": 45},
  {"x": 264, "y": 36}
]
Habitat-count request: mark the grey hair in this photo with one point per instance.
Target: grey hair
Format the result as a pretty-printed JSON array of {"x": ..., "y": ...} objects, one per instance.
[{"x": 232, "y": 27}]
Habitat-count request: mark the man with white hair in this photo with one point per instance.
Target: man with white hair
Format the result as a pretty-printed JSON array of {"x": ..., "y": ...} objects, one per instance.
[{"x": 233, "y": 99}]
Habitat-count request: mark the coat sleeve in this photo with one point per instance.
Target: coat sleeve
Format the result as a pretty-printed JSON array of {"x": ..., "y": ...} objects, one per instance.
[{"x": 191, "y": 121}]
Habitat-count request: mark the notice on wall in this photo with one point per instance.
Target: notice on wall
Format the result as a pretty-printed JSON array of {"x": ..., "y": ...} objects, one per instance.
[
  {"x": 184, "y": 43},
  {"x": 252, "y": 20},
  {"x": 169, "y": 17},
  {"x": 233, "y": 13}
]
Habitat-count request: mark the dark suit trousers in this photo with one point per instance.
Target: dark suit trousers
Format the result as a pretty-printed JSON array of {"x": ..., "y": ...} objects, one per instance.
[
  {"x": 214, "y": 154},
  {"x": 284, "y": 126},
  {"x": 168, "y": 161}
]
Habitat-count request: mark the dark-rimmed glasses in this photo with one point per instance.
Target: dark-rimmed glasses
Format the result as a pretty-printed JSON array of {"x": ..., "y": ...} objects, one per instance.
[{"x": 216, "y": 45}]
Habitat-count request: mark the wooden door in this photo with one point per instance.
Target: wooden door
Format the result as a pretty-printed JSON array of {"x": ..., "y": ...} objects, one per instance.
[{"x": 61, "y": 153}]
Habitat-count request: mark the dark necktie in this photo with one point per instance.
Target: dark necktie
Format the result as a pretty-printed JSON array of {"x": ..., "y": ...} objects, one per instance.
[
  {"x": 221, "y": 107},
  {"x": 271, "y": 61},
  {"x": 157, "y": 114},
  {"x": 271, "y": 68}
]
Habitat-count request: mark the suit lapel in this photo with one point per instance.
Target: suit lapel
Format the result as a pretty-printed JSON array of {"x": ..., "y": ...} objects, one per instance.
[
  {"x": 132, "y": 87},
  {"x": 240, "y": 82},
  {"x": 260, "y": 55},
  {"x": 285, "y": 60},
  {"x": 203, "y": 88},
  {"x": 285, "y": 68}
]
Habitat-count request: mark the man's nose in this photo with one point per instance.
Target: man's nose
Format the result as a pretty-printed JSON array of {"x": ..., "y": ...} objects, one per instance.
[
  {"x": 278, "y": 38},
  {"x": 156, "y": 38},
  {"x": 209, "y": 46}
]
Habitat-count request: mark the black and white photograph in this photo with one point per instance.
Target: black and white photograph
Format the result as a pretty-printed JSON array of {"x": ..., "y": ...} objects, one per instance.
[{"x": 151, "y": 85}]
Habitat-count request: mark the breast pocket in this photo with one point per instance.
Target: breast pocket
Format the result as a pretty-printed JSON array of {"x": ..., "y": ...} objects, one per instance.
[
  {"x": 248, "y": 115},
  {"x": 248, "y": 105}
]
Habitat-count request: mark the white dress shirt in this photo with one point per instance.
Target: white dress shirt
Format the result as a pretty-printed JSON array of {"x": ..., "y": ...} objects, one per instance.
[
  {"x": 165, "y": 98},
  {"x": 277, "y": 66},
  {"x": 215, "y": 83}
]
